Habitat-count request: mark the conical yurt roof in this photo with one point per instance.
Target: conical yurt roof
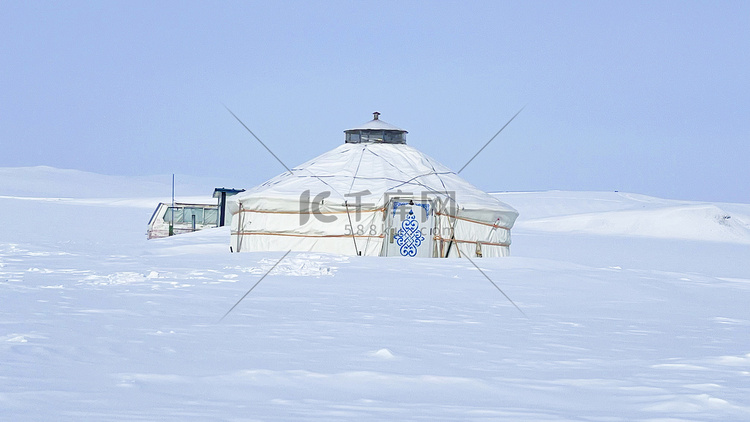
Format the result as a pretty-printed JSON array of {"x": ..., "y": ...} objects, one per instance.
[{"x": 371, "y": 170}]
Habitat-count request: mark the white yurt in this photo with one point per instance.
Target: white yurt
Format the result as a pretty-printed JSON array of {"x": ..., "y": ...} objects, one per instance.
[{"x": 373, "y": 196}]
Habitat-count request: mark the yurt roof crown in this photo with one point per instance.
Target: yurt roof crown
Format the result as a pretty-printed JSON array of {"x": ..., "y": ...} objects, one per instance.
[{"x": 376, "y": 131}]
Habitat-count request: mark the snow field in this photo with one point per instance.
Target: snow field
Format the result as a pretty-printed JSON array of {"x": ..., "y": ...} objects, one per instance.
[{"x": 96, "y": 323}]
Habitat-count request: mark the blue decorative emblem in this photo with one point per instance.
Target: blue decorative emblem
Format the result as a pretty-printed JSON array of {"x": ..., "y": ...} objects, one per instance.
[{"x": 409, "y": 237}]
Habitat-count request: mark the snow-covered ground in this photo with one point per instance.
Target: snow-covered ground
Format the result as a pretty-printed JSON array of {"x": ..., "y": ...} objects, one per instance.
[{"x": 638, "y": 309}]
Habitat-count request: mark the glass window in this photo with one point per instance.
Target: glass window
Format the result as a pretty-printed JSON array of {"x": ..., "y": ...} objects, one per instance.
[
  {"x": 394, "y": 137},
  {"x": 184, "y": 215},
  {"x": 211, "y": 216},
  {"x": 178, "y": 214},
  {"x": 386, "y": 136},
  {"x": 191, "y": 212},
  {"x": 352, "y": 138},
  {"x": 167, "y": 217},
  {"x": 372, "y": 136}
]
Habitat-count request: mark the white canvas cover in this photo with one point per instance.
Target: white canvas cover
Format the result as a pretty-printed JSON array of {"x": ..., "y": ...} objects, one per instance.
[{"x": 339, "y": 202}]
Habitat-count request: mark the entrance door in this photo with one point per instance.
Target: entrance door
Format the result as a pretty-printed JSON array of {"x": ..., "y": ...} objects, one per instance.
[{"x": 409, "y": 227}]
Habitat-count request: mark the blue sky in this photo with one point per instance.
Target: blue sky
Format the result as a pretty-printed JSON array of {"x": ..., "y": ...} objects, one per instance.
[{"x": 645, "y": 97}]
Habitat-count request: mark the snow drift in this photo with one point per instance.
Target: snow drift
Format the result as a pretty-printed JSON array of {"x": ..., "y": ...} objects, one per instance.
[{"x": 633, "y": 215}]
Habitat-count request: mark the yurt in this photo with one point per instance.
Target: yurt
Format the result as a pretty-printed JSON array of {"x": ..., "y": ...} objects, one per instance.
[{"x": 372, "y": 196}]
